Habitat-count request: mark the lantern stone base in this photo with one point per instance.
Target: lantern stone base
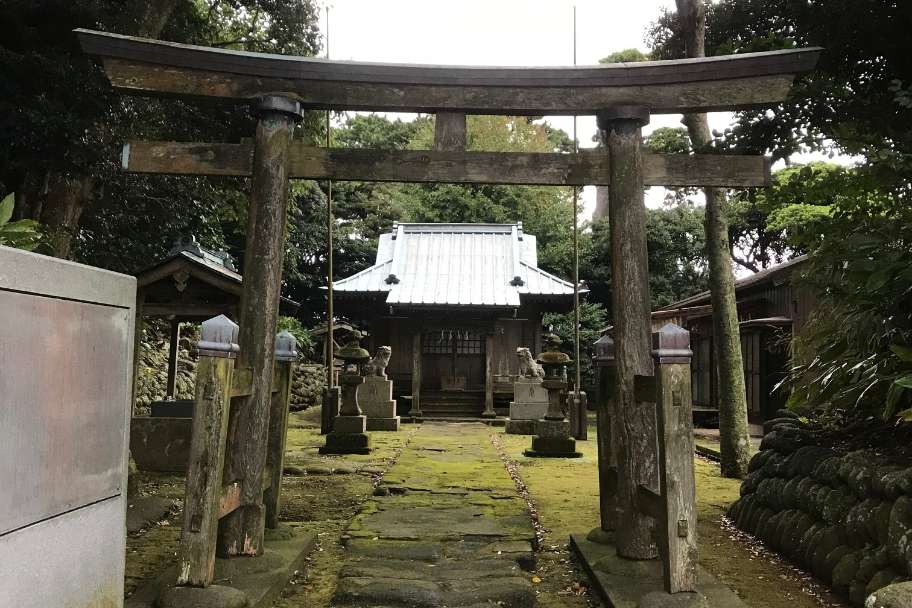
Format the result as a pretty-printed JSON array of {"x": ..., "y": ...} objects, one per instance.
[
  {"x": 552, "y": 440},
  {"x": 520, "y": 427},
  {"x": 348, "y": 436},
  {"x": 383, "y": 424}
]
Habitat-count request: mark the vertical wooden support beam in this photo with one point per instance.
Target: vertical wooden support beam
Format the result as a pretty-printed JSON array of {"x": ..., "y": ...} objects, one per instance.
[
  {"x": 450, "y": 131},
  {"x": 241, "y": 532},
  {"x": 489, "y": 378},
  {"x": 635, "y": 429},
  {"x": 173, "y": 352},
  {"x": 674, "y": 412},
  {"x": 217, "y": 349},
  {"x": 286, "y": 353},
  {"x": 605, "y": 363},
  {"x": 330, "y": 409},
  {"x": 416, "y": 374}
]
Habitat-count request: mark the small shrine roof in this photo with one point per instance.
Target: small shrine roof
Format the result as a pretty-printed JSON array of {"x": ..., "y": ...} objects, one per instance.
[{"x": 489, "y": 265}]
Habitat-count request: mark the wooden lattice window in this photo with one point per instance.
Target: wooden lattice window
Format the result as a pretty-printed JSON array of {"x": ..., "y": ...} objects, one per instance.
[
  {"x": 437, "y": 343},
  {"x": 449, "y": 342},
  {"x": 469, "y": 344}
]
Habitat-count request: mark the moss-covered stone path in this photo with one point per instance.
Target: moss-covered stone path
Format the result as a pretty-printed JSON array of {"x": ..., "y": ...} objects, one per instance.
[{"x": 445, "y": 528}]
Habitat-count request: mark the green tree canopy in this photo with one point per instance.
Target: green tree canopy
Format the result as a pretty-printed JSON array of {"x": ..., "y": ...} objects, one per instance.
[
  {"x": 545, "y": 211},
  {"x": 63, "y": 126}
]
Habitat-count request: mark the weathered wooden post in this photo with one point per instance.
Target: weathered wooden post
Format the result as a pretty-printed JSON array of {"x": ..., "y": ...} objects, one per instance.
[
  {"x": 330, "y": 409},
  {"x": 415, "y": 411},
  {"x": 214, "y": 373},
  {"x": 605, "y": 363},
  {"x": 677, "y": 523},
  {"x": 349, "y": 434},
  {"x": 621, "y": 131},
  {"x": 286, "y": 354},
  {"x": 552, "y": 433},
  {"x": 241, "y": 532},
  {"x": 489, "y": 411}
]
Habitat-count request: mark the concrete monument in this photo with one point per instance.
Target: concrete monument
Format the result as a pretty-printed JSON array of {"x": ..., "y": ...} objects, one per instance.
[
  {"x": 375, "y": 396},
  {"x": 530, "y": 398}
]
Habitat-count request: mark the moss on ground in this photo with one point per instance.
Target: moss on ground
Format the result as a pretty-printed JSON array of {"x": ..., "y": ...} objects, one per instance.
[
  {"x": 564, "y": 491},
  {"x": 154, "y": 548},
  {"x": 323, "y": 504}
]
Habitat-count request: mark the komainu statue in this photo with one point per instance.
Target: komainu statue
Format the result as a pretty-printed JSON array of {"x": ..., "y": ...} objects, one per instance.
[
  {"x": 377, "y": 365},
  {"x": 528, "y": 368}
]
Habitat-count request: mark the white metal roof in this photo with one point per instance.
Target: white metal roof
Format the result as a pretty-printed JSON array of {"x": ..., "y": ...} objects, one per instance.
[{"x": 455, "y": 265}]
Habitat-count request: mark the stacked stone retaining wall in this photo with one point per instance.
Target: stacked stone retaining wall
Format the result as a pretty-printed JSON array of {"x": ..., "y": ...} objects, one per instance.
[{"x": 847, "y": 518}]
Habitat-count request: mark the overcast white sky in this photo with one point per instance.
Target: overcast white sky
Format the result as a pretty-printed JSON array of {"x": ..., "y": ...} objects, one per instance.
[{"x": 501, "y": 32}]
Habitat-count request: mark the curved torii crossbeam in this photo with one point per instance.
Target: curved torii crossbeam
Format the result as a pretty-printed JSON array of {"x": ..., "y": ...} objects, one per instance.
[{"x": 142, "y": 66}]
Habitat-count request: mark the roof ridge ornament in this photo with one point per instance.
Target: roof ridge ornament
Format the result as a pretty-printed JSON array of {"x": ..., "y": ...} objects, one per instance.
[{"x": 187, "y": 242}]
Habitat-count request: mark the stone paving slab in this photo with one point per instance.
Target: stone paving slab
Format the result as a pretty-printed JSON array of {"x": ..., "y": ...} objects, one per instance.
[
  {"x": 626, "y": 583},
  {"x": 261, "y": 579},
  {"x": 448, "y": 530}
]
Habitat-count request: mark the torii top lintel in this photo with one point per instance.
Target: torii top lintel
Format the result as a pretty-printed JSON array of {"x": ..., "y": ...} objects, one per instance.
[{"x": 153, "y": 67}]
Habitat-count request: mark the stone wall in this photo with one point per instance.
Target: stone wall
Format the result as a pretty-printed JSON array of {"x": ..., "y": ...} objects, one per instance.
[
  {"x": 847, "y": 518},
  {"x": 307, "y": 386}
]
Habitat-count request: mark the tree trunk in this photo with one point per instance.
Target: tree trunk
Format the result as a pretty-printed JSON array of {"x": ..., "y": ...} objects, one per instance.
[
  {"x": 61, "y": 208},
  {"x": 733, "y": 430}
]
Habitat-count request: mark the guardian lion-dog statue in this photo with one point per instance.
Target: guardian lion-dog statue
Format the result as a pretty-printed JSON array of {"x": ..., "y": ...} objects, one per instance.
[
  {"x": 528, "y": 368},
  {"x": 377, "y": 365}
]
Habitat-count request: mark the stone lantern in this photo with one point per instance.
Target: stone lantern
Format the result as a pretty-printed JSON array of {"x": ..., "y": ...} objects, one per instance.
[
  {"x": 349, "y": 434},
  {"x": 552, "y": 433}
]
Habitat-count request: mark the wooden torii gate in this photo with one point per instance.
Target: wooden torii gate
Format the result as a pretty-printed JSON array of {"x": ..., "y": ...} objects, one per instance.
[{"x": 622, "y": 96}]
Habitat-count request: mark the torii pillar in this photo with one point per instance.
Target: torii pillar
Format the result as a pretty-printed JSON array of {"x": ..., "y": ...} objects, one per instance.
[
  {"x": 241, "y": 532},
  {"x": 620, "y": 128}
]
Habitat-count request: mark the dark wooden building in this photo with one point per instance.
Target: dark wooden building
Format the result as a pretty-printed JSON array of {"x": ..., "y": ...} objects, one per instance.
[
  {"x": 772, "y": 308},
  {"x": 191, "y": 284},
  {"x": 454, "y": 301}
]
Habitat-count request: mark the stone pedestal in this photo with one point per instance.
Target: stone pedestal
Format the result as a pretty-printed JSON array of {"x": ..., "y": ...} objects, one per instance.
[
  {"x": 552, "y": 440},
  {"x": 375, "y": 397},
  {"x": 348, "y": 436},
  {"x": 530, "y": 403}
]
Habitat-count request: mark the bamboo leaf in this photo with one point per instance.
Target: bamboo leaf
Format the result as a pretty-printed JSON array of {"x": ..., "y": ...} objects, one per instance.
[
  {"x": 6, "y": 208},
  {"x": 903, "y": 352}
]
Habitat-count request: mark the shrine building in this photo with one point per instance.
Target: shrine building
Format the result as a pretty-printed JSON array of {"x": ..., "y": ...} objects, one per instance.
[{"x": 454, "y": 302}]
